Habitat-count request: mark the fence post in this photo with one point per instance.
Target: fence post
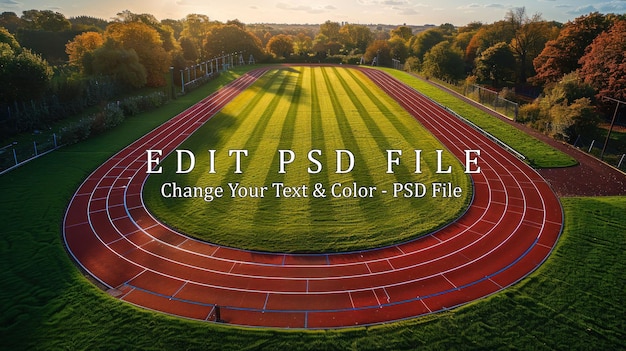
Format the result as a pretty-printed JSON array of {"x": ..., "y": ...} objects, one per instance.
[
  {"x": 620, "y": 161},
  {"x": 54, "y": 137},
  {"x": 35, "y": 146},
  {"x": 591, "y": 147},
  {"x": 15, "y": 156}
]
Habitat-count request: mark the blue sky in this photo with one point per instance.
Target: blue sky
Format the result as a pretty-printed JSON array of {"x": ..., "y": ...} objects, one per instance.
[{"x": 415, "y": 12}]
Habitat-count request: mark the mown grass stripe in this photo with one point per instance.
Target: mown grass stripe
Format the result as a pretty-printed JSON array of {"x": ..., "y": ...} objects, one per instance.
[
  {"x": 274, "y": 209},
  {"x": 360, "y": 174},
  {"x": 268, "y": 132},
  {"x": 322, "y": 212},
  {"x": 300, "y": 109}
]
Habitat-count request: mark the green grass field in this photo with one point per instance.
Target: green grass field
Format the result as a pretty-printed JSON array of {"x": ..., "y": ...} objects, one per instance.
[
  {"x": 575, "y": 301},
  {"x": 303, "y": 109}
]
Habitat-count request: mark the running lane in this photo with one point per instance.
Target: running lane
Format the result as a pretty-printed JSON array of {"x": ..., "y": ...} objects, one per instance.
[{"x": 508, "y": 231}]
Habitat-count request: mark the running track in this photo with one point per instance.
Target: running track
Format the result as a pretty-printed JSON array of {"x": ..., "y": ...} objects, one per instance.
[{"x": 509, "y": 229}]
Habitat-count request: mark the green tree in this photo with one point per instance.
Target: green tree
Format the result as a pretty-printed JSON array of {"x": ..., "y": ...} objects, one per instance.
[
  {"x": 24, "y": 75},
  {"x": 424, "y": 41},
  {"x": 444, "y": 61},
  {"x": 9, "y": 39},
  {"x": 46, "y": 20},
  {"x": 496, "y": 64},
  {"x": 119, "y": 63}
]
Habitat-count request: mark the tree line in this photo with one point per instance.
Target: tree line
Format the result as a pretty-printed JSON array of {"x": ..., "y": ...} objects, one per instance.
[{"x": 65, "y": 62}]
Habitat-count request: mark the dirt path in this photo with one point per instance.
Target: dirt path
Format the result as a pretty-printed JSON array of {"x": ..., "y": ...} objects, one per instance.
[{"x": 590, "y": 177}]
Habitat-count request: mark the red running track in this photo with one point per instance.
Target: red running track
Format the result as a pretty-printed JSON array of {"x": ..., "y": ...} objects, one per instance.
[{"x": 509, "y": 229}]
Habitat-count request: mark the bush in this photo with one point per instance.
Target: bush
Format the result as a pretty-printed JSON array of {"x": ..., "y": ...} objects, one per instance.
[
  {"x": 112, "y": 115},
  {"x": 77, "y": 131}
]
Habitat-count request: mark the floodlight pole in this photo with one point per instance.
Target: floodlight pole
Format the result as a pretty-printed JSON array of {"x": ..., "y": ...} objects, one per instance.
[{"x": 608, "y": 135}]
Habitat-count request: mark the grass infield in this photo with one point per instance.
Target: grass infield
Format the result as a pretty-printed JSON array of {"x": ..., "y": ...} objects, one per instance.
[
  {"x": 303, "y": 109},
  {"x": 575, "y": 301}
]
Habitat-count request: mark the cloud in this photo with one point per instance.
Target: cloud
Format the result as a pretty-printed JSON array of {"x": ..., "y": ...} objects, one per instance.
[
  {"x": 612, "y": 6},
  {"x": 582, "y": 10},
  {"x": 9, "y": 2},
  {"x": 305, "y": 8}
]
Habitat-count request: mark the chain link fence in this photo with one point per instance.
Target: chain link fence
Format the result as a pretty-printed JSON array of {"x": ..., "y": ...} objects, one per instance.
[{"x": 493, "y": 100}]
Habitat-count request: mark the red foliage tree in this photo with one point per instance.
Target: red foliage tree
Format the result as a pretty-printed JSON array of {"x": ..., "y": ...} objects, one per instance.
[
  {"x": 560, "y": 56},
  {"x": 604, "y": 65}
]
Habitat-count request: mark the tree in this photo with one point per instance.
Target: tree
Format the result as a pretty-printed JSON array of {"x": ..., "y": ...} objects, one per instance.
[
  {"x": 280, "y": 45},
  {"x": 46, "y": 20},
  {"x": 496, "y": 64},
  {"x": 488, "y": 36},
  {"x": 24, "y": 75},
  {"x": 330, "y": 30},
  {"x": 11, "y": 22},
  {"x": 83, "y": 47},
  {"x": 380, "y": 50},
  {"x": 9, "y": 39},
  {"x": 195, "y": 29},
  {"x": 398, "y": 48},
  {"x": 403, "y": 32},
  {"x": 119, "y": 63},
  {"x": 531, "y": 35},
  {"x": 227, "y": 39},
  {"x": 146, "y": 43},
  {"x": 604, "y": 65},
  {"x": 561, "y": 55},
  {"x": 356, "y": 36},
  {"x": 302, "y": 44},
  {"x": 424, "y": 41},
  {"x": 444, "y": 61}
]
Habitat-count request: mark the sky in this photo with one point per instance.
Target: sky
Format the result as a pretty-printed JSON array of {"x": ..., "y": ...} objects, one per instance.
[{"x": 410, "y": 12}]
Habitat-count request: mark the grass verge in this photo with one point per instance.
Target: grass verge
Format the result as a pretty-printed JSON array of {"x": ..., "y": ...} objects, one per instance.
[
  {"x": 538, "y": 154},
  {"x": 573, "y": 302}
]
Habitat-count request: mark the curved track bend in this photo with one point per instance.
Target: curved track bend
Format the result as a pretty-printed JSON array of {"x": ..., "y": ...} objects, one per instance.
[{"x": 509, "y": 229}]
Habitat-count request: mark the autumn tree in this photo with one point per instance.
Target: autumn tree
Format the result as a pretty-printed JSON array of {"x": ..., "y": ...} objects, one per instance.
[
  {"x": 331, "y": 30},
  {"x": 302, "y": 44},
  {"x": 604, "y": 65},
  {"x": 380, "y": 50},
  {"x": 403, "y": 32},
  {"x": 487, "y": 36},
  {"x": 530, "y": 37},
  {"x": 146, "y": 43},
  {"x": 280, "y": 45},
  {"x": 356, "y": 37},
  {"x": 80, "y": 49},
  {"x": 561, "y": 55},
  {"x": 227, "y": 39}
]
